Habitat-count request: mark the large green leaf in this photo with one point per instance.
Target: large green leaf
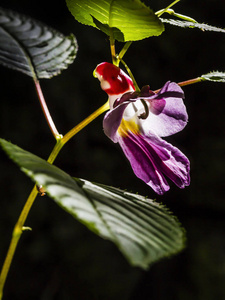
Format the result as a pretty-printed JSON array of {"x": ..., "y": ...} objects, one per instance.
[
  {"x": 130, "y": 20},
  {"x": 142, "y": 229},
  {"x": 33, "y": 48}
]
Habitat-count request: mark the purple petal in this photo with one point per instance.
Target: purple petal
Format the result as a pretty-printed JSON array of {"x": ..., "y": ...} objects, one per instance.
[
  {"x": 152, "y": 158},
  {"x": 112, "y": 121},
  {"x": 167, "y": 112}
]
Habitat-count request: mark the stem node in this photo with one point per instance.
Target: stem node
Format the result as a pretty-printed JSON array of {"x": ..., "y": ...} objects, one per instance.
[{"x": 17, "y": 231}]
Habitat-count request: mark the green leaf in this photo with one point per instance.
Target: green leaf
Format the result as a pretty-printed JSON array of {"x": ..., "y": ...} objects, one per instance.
[
  {"x": 214, "y": 76},
  {"x": 142, "y": 229},
  {"x": 33, "y": 48},
  {"x": 129, "y": 20},
  {"x": 188, "y": 24}
]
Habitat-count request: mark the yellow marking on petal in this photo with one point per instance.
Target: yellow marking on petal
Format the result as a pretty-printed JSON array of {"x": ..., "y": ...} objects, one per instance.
[{"x": 126, "y": 126}]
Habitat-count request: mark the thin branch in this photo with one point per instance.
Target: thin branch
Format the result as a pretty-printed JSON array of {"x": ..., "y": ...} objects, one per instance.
[
  {"x": 186, "y": 82},
  {"x": 112, "y": 47},
  {"x": 162, "y": 11},
  {"x": 17, "y": 232},
  {"x": 85, "y": 122},
  {"x": 46, "y": 111},
  {"x": 123, "y": 51},
  {"x": 131, "y": 75}
]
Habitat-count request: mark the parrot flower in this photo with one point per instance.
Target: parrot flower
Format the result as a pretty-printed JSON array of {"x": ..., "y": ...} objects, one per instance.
[{"x": 138, "y": 119}]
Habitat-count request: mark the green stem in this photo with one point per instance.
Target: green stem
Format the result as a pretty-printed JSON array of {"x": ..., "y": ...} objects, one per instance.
[
  {"x": 123, "y": 51},
  {"x": 183, "y": 17},
  {"x": 112, "y": 47},
  {"x": 19, "y": 227},
  {"x": 85, "y": 122},
  {"x": 17, "y": 232},
  {"x": 131, "y": 75},
  {"x": 162, "y": 11},
  {"x": 61, "y": 142}
]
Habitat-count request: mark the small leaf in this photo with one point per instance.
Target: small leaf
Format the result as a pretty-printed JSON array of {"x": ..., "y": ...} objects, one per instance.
[
  {"x": 188, "y": 24},
  {"x": 142, "y": 229},
  {"x": 130, "y": 20},
  {"x": 214, "y": 76},
  {"x": 33, "y": 48}
]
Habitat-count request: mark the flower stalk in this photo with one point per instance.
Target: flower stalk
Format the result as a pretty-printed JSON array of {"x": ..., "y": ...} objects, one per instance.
[{"x": 131, "y": 75}]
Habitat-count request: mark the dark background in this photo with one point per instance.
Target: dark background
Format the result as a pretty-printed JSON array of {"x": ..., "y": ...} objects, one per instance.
[{"x": 60, "y": 258}]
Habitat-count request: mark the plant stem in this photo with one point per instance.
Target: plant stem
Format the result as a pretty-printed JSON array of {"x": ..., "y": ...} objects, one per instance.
[
  {"x": 112, "y": 47},
  {"x": 162, "y": 11},
  {"x": 190, "y": 81},
  {"x": 61, "y": 142},
  {"x": 123, "y": 51},
  {"x": 45, "y": 110},
  {"x": 19, "y": 227},
  {"x": 17, "y": 232},
  {"x": 186, "y": 82},
  {"x": 131, "y": 75},
  {"x": 85, "y": 122}
]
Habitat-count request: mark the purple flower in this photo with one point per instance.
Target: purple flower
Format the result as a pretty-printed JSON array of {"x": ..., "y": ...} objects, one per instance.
[{"x": 138, "y": 120}]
